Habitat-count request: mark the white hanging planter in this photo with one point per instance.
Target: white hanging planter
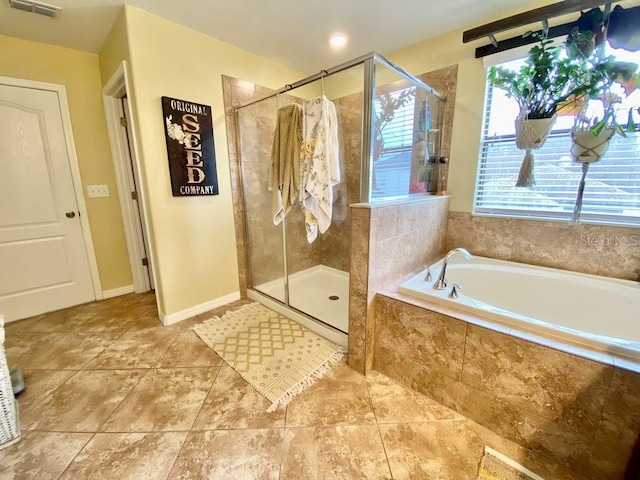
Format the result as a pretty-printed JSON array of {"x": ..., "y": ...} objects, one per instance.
[
  {"x": 589, "y": 148},
  {"x": 530, "y": 135}
]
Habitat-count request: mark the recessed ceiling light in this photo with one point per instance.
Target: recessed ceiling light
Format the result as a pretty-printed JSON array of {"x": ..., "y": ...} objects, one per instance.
[{"x": 338, "y": 40}]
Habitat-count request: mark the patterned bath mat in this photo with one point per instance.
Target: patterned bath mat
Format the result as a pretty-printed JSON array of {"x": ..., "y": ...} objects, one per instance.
[
  {"x": 496, "y": 466},
  {"x": 277, "y": 356}
]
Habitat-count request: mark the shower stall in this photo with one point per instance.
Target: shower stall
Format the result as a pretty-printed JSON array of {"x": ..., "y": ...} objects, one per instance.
[{"x": 389, "y": 129}]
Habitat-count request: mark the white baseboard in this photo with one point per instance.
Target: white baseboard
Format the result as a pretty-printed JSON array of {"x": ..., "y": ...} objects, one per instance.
[
  {"x": 198, "y": 309},
  {"x": 116, "y": 292}
]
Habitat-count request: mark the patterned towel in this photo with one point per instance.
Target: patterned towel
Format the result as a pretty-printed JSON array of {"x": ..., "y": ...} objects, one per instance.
[
  {"x": 284, "y": 181},
  {"x": 320, "y": 164}
]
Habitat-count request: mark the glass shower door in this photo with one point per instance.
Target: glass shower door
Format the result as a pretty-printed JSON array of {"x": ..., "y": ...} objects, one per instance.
[
  {"x": 264, "y": 239},
  {"x": 319, "y": 271}
]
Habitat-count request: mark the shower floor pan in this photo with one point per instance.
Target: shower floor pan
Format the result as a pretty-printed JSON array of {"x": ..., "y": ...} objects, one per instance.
[{"x": 321, "y": 292}]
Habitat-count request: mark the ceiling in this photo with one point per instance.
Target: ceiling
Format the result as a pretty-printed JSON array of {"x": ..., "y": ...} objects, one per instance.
[{"x": 292, "y": 32}]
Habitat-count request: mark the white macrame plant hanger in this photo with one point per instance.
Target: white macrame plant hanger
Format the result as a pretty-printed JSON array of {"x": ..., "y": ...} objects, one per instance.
[{"x": 530, "y": 135}]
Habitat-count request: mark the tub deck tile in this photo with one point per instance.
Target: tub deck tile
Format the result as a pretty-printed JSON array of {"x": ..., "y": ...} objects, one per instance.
[{"x": 550, "y": 384}]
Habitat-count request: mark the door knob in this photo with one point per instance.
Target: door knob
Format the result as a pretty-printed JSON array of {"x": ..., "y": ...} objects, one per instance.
[{"x": 70, "y": 214}]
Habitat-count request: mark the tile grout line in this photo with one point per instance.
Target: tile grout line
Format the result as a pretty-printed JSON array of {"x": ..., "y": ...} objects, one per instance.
[
  {"x": 607, "y": 396},
  {"x": 464, "y": 352},
  {"x": 375, "y": 418},
  {"x": 195, "y": 418},
  {"x": 123, "y": 399},
  {"x": 282, "y": 445},
  {"x": 173, "y": 464},
  {"x": 77, "y": 454}
]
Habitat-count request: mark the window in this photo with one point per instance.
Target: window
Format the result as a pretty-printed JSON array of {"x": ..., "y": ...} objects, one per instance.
[
  {"x": 612, "y": 192},
  {"x": 392, "y": 167}
]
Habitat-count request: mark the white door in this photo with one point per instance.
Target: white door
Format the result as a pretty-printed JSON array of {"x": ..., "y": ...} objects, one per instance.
[{"x": 43, "y": 259}]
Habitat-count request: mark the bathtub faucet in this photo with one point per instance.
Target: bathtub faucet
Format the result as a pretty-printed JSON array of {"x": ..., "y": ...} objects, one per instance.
[{"x": 441, "y": 282}]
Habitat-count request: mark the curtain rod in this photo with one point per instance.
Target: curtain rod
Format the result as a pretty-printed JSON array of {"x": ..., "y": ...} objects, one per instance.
[
  {"x": 340, "y": 68},
  {"x": 532, "y": 16},
  {"x": 515, "y": 42}
]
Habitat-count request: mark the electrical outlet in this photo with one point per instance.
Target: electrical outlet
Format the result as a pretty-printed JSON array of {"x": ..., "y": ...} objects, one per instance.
[{"x": 98, "y": 190}]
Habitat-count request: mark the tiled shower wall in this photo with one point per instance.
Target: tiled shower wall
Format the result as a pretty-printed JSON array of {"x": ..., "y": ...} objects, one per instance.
[
  {"x": 388, "y": 242},
  {"x": 444, "y": 81},
  {"x": 579, "y": 412},
  {"x": 237, "y": 92},
  {"x": 596, "y": 249}
]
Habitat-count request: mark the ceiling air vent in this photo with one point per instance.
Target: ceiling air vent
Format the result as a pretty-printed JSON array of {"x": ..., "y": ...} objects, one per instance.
[{"x": 35, "y": 7}]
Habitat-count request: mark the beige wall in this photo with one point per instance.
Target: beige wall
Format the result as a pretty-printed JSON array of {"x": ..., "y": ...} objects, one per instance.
[
  {"x": 79, "y": 73},
  {"x": 193, "y": 238},
  {"x": 115, "y": 48}
]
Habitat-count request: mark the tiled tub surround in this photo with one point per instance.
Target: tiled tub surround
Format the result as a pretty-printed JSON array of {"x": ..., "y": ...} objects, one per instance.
[
  {"x": 559, "y": 304},
  {"x": 606, "y": 250},
  {"x": 389, "y": 240},
  {"x": 582, "y": 413}
]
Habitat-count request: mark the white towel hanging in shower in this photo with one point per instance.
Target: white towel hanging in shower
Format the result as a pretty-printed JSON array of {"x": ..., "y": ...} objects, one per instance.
[{"x": 320, "y": 163}]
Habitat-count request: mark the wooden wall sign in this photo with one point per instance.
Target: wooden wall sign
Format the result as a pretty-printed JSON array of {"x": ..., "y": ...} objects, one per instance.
[{"x": 188, "y": 129}]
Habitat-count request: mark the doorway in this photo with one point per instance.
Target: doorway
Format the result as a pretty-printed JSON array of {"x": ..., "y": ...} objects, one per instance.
[{"x": 130, "y": 187}]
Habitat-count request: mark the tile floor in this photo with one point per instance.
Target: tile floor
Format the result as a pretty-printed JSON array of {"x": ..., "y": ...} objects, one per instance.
[{"x": 111, "y": 393}]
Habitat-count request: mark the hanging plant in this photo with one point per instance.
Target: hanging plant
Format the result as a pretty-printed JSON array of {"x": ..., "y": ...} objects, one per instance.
[
  {"x": 586, "y": 34},
  {"x": 623, "y": 28},
  {"x": 546, "y": 81},
  {"x": 591, "y": 134}
]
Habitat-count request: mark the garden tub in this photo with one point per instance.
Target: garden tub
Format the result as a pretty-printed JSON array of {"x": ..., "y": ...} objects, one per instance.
[{"x": 599, "y": 312}]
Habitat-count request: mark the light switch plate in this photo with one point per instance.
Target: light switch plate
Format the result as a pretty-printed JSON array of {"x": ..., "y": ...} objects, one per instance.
[{"x": 98, "y": 190}]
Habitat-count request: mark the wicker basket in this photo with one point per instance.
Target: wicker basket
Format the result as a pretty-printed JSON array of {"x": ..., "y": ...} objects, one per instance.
[{"x": 9, "y": 424}]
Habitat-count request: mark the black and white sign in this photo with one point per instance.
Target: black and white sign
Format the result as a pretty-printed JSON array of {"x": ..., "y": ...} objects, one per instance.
[{"x": 188, "y": 129}]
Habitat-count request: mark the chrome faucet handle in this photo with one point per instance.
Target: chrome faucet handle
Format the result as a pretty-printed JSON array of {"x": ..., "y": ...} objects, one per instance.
[
  {"x": 428, "y": 277},
  {"x": 440, "y": 283},
  {"x": 455, "y": 291}
]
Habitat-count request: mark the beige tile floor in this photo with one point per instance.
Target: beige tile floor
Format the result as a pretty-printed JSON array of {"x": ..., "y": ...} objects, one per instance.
[{"x": 111, "y": 393}]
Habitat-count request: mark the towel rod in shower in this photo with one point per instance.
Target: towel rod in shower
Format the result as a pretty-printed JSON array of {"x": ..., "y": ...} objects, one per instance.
[{"x": 339, "y": 68}]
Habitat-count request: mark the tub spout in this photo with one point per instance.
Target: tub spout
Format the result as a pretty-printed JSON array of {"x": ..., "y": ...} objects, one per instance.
[{"x": 441, "y": 282}]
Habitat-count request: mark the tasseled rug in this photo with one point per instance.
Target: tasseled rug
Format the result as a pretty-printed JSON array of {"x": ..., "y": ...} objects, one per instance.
[
  {"x": 275, "y": 355},
  {"x": 496, "y": 466}
]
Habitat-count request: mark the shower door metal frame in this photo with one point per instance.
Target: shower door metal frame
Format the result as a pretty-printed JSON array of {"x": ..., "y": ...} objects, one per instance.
[{"x": 369, "y": 61}]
